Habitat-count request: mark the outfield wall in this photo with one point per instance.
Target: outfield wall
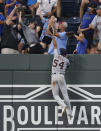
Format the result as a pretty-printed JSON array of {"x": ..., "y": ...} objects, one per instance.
[
  {"x": 26, "y": 101},
  {"x": 36, "y": 69}
]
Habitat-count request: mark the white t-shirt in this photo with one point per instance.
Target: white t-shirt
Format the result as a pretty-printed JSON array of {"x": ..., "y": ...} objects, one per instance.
[
  {"x": 96, "y": 23},
  {"x": 46, "y": 6},
  {"x": 60, "y": 63}
]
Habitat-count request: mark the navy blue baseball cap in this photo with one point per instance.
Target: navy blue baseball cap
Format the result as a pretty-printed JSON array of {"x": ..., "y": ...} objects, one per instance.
[{"x": 63, "y": 51}]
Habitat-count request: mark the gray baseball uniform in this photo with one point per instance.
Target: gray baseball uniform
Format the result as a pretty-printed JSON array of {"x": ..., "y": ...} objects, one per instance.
[{"x": 59, "y": 66}]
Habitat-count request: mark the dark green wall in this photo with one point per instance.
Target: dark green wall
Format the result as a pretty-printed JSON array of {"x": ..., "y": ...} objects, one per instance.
[{"x": 36, "y": 69}]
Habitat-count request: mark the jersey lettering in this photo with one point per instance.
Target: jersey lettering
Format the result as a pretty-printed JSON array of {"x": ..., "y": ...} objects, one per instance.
[
  {"x": 55, "y": 63},
  {"x": 61, "y": 65}
]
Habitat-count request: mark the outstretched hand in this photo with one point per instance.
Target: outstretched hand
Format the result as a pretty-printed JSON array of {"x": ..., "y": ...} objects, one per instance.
[
  {"x": 51, "y": 30},
  {"x": 70, "y": 34}
]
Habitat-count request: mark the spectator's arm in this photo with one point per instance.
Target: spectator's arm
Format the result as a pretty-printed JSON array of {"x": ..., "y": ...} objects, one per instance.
[
  {"x": 85, "y": 29},
  {"x": 78, "y": 38},
  {"x": 21, "y": 43},
  {"x": 48, "y": 32},
  {"x": 62, "y": 35},
  {"x": 58, "y": 8},
  {"x": 91, "y": 26},
  {"x": 9, "y": 5},
  {"x": 54, "y": 10},
  {"x": 48, "y": 27},
  {"x": 54, "y": 42},
  {"x": 20, "y": 46},
  {"x": 57, "y": 34},
  {"x": 82, "y": 8},
  {"x": 51, "y": 23},
  {"x": 37, "y": 5},
  {"x": 20, "y": 17},
  {"x": 79, "y": 28},
  {"x": 2, "y": 22},
  {"x": 9, "y": 18},
  {"x": 23, "y": 26},
  {"x": 38, "y": 28},
  {"x": 12, "y": 13},
  {"x": 5, "y": 11}
]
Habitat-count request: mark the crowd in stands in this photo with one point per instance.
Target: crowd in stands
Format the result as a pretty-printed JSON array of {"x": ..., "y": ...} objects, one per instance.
[{"x": 26, "y": 26}]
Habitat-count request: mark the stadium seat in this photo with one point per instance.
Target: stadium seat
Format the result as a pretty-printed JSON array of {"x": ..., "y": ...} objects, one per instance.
[
  {"x": 70, "y": 8},
  {"x": 72, "y": 42},
  {"x": 73, "y": 24}
]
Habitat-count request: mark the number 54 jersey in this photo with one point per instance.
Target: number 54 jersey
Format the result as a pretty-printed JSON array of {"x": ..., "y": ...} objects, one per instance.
[{"x": 60, "y": 63}]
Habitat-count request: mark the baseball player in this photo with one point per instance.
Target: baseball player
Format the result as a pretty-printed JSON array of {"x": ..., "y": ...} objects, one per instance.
[{"x": 60, "y": 63}]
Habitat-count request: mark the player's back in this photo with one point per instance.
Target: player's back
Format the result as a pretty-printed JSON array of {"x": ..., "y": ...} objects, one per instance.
[{"x": 60, "y": 64}]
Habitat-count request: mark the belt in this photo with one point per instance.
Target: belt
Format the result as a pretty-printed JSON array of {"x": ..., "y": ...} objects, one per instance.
[{"x": 57, "y": 73}]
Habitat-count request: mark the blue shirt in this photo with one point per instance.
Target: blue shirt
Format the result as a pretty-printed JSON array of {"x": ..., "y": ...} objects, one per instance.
[
  {"x": 81, "y": 47},
  {"x": 2, "y": 18},
  {"x": 46, "y": 22},
  {"x": 11, "y": 7},
  {"x": 61, "y": 43},
  {"x": 31, "y": 2},
  {"x": 86, "y": 20},
  {"x": 44, "y": 32}
]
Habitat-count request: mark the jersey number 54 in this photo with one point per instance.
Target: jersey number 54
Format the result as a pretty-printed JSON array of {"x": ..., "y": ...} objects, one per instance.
[{"x": 56, "y": 63}]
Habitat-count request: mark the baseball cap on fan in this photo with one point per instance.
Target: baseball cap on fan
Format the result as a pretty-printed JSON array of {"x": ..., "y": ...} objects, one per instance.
[
  {"x": 98, "y": 8},
  {"x": 92, "y": 5}
]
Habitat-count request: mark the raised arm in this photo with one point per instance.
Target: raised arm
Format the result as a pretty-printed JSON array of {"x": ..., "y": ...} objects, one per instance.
[
  {"x": 9, "y": 5},
  {"x": 48, "y": 28},
  {"x": 23, "y": 26},
  {"x": 9, "y": 18},
  {"x": 37, "y": 5},
  {"x": 59, "y": 8},
  {"x": 85, "y": 29},
  {"x": 53, "y": 38},
  {"x": 20, "y": 17},
  {"x": 54, "y": 42},
  {"x": 78, "y": 38},
  {"x": 91, "y": 26},
  {"x": 82, "y": 8},
  {"x": 55, "y": 33}
]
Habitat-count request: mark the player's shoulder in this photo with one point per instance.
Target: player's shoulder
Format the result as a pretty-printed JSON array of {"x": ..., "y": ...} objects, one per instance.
[{"x": 66, "y": 59}]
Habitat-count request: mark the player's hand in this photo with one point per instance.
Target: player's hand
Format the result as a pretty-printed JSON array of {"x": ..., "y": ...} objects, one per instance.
[{"x": 74, "y": 52}]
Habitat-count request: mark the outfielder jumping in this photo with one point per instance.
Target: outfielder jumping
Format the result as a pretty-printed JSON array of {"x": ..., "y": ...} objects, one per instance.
[{"x": 60, "y": 63}]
